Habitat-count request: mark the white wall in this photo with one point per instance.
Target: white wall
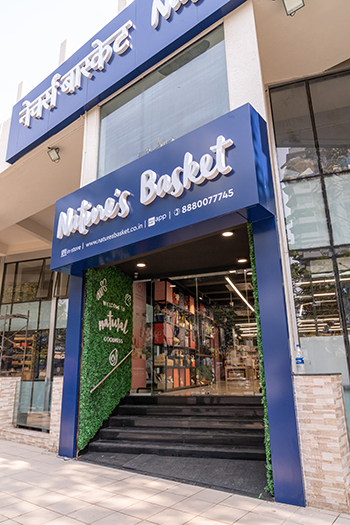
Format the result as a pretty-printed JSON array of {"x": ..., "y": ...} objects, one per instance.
[{"x": 243, "y": 60}]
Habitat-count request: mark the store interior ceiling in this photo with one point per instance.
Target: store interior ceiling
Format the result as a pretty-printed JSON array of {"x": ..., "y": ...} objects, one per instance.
[{"x": 210, "y": 259}]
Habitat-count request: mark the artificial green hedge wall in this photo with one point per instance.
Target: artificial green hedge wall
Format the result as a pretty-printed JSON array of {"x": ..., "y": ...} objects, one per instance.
[
  {"x": 269, "y": 475},
  {"x": 107, "y": 332}
]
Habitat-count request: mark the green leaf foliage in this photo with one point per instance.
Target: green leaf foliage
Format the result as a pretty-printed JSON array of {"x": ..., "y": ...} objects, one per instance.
[
  {"x": 109, "y": 295},
  {"x": 269, "y": 474}
]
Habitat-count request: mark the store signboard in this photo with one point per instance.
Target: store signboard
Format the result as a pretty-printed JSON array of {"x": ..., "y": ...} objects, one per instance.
[
  {"x": 220, "y": 168},
  {"x": 139, "y": 37}
]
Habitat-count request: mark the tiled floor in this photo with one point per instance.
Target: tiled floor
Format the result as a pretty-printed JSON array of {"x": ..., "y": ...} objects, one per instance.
[{"x": 36, "y": 488}]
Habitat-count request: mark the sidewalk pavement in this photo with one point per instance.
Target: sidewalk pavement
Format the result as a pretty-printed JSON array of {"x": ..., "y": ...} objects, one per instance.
[{"x": 37, "y": 487}]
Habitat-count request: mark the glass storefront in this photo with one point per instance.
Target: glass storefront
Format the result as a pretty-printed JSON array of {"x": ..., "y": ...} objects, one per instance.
[
  {"x": 196, "y": 334},
  {"x": 312, "y": 133},
  {"x": 32, "y": 299}
]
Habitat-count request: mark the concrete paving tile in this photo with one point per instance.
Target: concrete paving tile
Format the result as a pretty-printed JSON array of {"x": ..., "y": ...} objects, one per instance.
[
  {"x": 137, "y": 492},
  {"x": 119, "y": 519},
  {"x": 276, "y": 510},
  {"x": 163, "y": 484},
  {"x": 68, "y": 505},
  {"x": 344, "y": 516},
  {"x": 91, "y": 514},
  {"x": 342, "y": 521},
  {"x": 166, "y": 498},
  {"x": 17, "y": 509},
  {"x": 194, "y": 505},
  {"x": 47, "y": 498},
  {"x": 143, "y": 510},
  {"x": 13, "y": 486},
  {"x": 216, "y": 496},
  {"x": 94, "y": 496},
  {"x": 31, "y": 492},
  {"x": 242, "y": 502},
  {"x": 64, "y": 520},
  {"x": 171, "y": 517},
  {"x": 185, "y": 489},
  {"x": 3, "y": 518},
  {"x": 224, "y": 514},
  {"x": 38, "y": 517},
  {"x": 118, "y": 502},
  {"x": 116, "y": 487},
  {"x": 8, "y": 500},
  {"x": 312, "y": 516},
  {"x": 199, "y": 520},
  {"x": 258, "y": 519},
  {"x": 139, "y": 479}
]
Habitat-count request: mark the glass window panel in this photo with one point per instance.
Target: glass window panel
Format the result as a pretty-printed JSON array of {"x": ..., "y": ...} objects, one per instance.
[
  {"x": 293, "y": 131},
  {"x": 318, "y": 319},
  {"x": 19, "y": 324},
  {"x": 185, "y": 93},
  {"x": 331, "y": 105},
  {"x": 338, "y": 193},
  {"x": 344, "y": 275},
  {"x": 62, "y": 313},
  {"x": 2, "y": 312},
  {"x": 45, "y": 283},
  {"x": 44, "y": 318},
  {"x": 28, "y": 274},
  {"x": 8, "y": 283},
  {"x": 59, "y": 352},
  {"x": 305, "y": 215},
  {"x": 62, "y": 285}
]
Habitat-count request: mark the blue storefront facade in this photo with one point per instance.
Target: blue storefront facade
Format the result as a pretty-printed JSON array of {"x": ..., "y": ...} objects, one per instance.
[{"x": 178, "y": 159}]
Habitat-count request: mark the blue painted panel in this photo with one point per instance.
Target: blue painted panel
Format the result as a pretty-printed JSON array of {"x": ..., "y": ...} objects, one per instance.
[
  {"x": 70, "y": 395},
  {"x": 286, "y": 464},
  {"x": 149, "y": 45},
  {"x": 242, "y": 183}
]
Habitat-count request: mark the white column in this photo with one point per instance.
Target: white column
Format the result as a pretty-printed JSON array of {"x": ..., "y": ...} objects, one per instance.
[
  {"x": 90, "y": 146},
  {"x": 243, "y": 61}
]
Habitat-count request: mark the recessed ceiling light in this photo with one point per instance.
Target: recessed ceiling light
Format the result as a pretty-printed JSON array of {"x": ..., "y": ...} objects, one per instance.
[
  {"x": 140, "y": 265},
  {"x": 227, "y": 234},
  {"x": 172, "y": 285},
  {"x": 232, "y": 271},
  {"x": 242, "y": 260}
]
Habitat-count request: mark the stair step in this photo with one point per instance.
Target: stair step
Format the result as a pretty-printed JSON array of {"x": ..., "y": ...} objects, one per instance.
[
  {"x": 168, "y": 449},
  {"x": 207, "y": 411},
  {"x": 188, "y": 422},
  {"x": 183, "y": 436},
  {"x": 139, "y": 399}
]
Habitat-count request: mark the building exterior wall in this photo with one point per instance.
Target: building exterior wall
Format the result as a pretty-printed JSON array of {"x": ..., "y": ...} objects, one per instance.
[
  {"x": 324, "y": 441},
  {"x": 254, "y": 63},
  {"x": 48, "y": 441}
]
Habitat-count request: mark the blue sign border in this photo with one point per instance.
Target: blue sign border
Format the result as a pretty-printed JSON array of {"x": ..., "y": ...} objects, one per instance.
[
  {"x": 247, "y": 189},
  {"x": 149, "y": 46}
]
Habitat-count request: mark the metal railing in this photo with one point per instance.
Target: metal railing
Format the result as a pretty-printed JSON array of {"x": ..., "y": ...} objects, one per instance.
[{"x": 111, "y": 372}]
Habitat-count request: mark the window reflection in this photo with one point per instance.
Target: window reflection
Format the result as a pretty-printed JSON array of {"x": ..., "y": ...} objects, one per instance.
[{"x": 305, "y": 214}]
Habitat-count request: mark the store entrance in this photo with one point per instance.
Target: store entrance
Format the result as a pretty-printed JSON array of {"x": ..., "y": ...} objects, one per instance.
[
  {"x": 204, "y": 335},
  {"x": 195, "y": 331}
]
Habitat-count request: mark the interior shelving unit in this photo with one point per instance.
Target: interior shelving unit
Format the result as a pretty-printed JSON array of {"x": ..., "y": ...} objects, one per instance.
[{"x": 184, "y": 339}]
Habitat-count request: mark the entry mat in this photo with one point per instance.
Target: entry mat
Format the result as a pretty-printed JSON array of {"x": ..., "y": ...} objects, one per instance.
[{"x": 236, "y": 476}]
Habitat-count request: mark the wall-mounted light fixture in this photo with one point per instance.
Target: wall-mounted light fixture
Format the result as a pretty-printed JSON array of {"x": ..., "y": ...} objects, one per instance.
[
  {"x": 53, "y": 153},
  {"x": 291, "y": 6}
]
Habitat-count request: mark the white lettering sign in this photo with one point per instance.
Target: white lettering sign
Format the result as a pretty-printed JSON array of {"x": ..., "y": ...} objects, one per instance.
[
  {"x": 94, "y": 61},
  {"x": 164, "y": 8},
  {"x": 72, "y": 221},
  {"x": 184, "y": 177},
  {"x": 110, "y": 323}
]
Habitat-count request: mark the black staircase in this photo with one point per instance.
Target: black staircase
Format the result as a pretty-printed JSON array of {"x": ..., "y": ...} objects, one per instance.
[{"x": 189, "y": 426}]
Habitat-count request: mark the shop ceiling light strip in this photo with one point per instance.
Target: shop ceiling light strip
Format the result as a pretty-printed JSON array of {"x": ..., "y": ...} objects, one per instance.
[{"x": 239, "y": 293}]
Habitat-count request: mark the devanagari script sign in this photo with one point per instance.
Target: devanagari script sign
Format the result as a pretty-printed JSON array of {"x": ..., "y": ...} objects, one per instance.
[{"x": 139, "y": 37}]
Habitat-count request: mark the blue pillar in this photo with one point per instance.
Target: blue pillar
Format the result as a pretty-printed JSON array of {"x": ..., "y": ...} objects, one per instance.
[
  {"x": 70, "y": 394},
  {"x": 286, "y": 464}
]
